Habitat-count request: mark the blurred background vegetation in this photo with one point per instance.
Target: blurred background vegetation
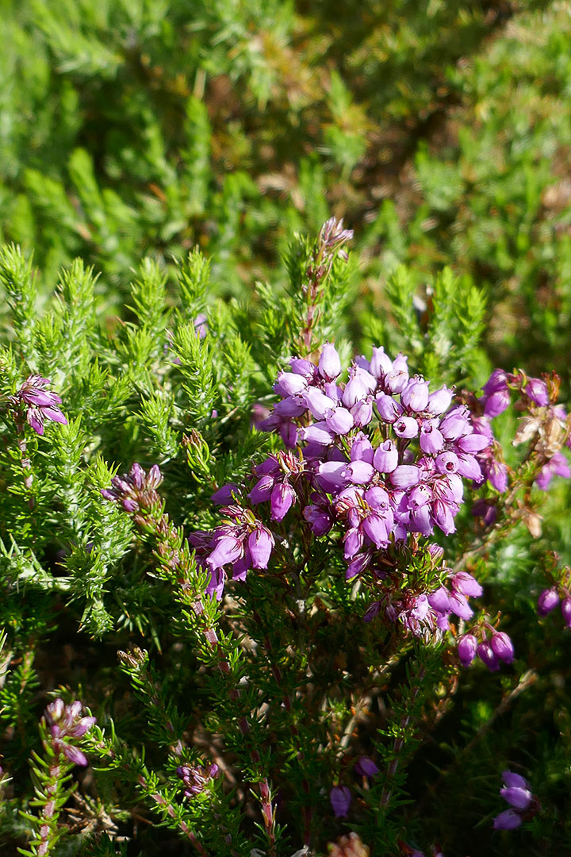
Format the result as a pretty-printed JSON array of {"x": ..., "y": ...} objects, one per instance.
[{"x": 440, "y": 130}]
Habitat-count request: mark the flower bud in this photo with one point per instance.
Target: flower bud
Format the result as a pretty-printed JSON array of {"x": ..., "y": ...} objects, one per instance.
[
  {"x": 497, "y": 403},
  {"x": 406, "y": 427},
  {"x": 340, "y": 798},
  {"x": 339, "y": 421},
  {"x": 366, "y": 767},
  {"x": 547, "y": 601},
  {"x": 329, "y": 365},
  {"x": 380, "y": 363},
  {"x": 439, "y": 401},
  {"x": 467, "y": 648},
  {"x": 415, "y": 395},
  {"x": 281, "y": 500},
  {"x": 503, "y": 647},
  {"x": 536, "y": 390},
  {"x": 488, "y": 656},
  {"x": 405, "y": 476}
]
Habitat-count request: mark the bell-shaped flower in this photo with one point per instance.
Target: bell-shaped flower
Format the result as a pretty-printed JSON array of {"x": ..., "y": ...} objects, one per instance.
[
  {"x": 281, "y": 500},
  {"x": 503, "y": 647},
  {"x": 406, "y": 427},
  {"x": 467, "y": 648},
  {"x": 329, "y": 365},
  {"x": 547, "y": 601},
  {"x": 340, "y": 798},
  {"x": 439, "y": 401},
  {"x": 415, "y": 394},
  {"x": 260, "y": 545},
  {"x": 386, "y": 457}
]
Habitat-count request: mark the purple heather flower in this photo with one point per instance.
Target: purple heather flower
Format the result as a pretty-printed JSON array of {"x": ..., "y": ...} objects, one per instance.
[
  {"x": 517, "y": 793},
  {"x": 517, "y": 796},
  {"x": 385, "y": 458},
  {"x": 65, "y": 722},
  {"x": 512, "y": 780},
  {"x": 366, "y": 767},
  {"x": 303, "y": 367},
  {"x": 486, "y": 510},
  {"x": 358, "y": 387},
  {"x": 558, "y": 466},
  {"x": 440, "y": 600},
  {"x": 318, "y": 403},
  {"x": 262, "y": 489},
  {"x": 196, "y": 777},
  {"x": 463, "y": 582},
  {"x": 340, "y": 798},
  {"x": 359, "y": 472},
  {"x": 223, "y": 496},
  {"x": 362, "y": 412},
  {"x": 456, "y": 423},
  {"x": 135, "y": 490},
  {"x": 459, "y": 605},
  {"x": 329, "y": 363},
  {"x": 547, "y": 601},
  {"x": 281, "y": 500},
  {"x": 318, "y": 433},
  {"x": 415, "y": 394},
  {"x": 375, "y": 527},
  {"x": 447, "y": 462},
  {"x": 439, "y": 401},
  {"x": 467, "y": 648},
  {"x": 507, "y": 820},
  {"x": 497, "y": 403},
  {"x": 340, "y": 421},
  {"x": 290, "y": 384},
  {"x": 292, "y": 407},
  {"x": 488, "y": 656},
  {"x": 503, "y": 647},
  {"x": 40, "y": 402},
  {"x": 566, "y": 610},
  {"x": 380, "y": 363},
  {"x": 497, "y": 381},
  {"x": 431, "y": 438},
  {"x": 469, "y": 467},
  {"x": 389, "y": 410},
  {"x": 406, "y": 427},
  {"x": 536, "y": 390},
  {"x": 405, "y": 476},
  {"x": 496, "y": 473},
  {"x": 472, "y": 443},
  {"x": 260, "y": 544},
  {"x": 227, "y": 549}
]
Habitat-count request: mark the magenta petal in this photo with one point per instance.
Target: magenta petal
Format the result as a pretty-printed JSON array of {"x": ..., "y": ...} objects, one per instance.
[{"x": 35, "y": 421}]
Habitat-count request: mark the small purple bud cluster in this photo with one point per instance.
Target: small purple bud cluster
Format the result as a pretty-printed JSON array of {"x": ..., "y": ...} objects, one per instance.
[
  {"x": 40, "y": 403},
  {"x": 136, "y": 490},
  {"x": 196, "y": 777},
  {"x": 522, "y": 802},
  {"x": 432, "y": 610},
  {"x": 559, "y": 594},
  {"x": 66, "y": 724},
  {"x": 491, "y": 651},
  {"x": 242, "y": 542},
  {"x": 534, "y": 397}
]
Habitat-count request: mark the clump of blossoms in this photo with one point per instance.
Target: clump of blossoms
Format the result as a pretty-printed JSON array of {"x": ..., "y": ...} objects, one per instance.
[
  {"x": 558, "y": 594},
  {"x": 62, "y": 728},
  {"x": 37, "y": 404},
  {"x": 523, "y": 804},
  {"x": 381, "y": 460}
]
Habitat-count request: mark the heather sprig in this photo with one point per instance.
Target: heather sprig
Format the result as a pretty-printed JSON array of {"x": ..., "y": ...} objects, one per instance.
[{"x": 62, "y": 728}]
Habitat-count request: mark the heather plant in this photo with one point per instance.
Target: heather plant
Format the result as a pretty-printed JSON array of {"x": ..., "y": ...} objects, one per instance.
[{"x": 269, "y": 590}]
